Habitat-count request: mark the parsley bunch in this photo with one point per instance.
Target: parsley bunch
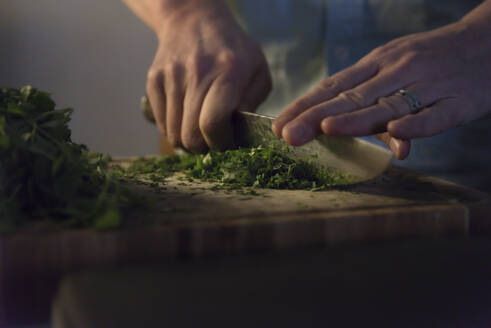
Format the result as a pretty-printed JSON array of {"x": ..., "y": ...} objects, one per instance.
[{"x": 43, "y": 174}]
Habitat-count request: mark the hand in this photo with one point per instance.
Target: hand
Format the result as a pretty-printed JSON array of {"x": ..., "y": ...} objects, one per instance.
[
  {"x": 205, "y": 68},
  {"x": 448, "y": 69}
]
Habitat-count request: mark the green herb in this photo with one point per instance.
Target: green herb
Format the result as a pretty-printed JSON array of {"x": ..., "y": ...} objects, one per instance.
[
  {"x": 44, "y": 175},
  {"x": 259, "y": 167}
]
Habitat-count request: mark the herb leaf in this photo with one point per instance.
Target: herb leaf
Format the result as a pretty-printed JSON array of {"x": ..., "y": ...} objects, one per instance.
[{"x": 44, "y": 174}]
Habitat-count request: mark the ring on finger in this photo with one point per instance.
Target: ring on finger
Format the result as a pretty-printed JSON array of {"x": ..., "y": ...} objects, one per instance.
[{"x": 412, "y": 100}]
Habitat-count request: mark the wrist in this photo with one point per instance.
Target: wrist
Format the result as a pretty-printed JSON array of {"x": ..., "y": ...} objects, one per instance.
[
  {"x": 172, "y": 13},
  {"x": 477, "y": 23}
]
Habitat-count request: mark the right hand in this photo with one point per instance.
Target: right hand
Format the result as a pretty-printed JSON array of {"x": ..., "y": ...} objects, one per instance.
[{"x": 205, "y": 68}]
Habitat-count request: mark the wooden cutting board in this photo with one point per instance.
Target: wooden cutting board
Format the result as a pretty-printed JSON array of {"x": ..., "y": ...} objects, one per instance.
[{"x": 189, "y": 220}]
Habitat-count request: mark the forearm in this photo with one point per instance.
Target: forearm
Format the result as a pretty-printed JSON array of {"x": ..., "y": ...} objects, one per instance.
[{"x": 155, "y": 12}]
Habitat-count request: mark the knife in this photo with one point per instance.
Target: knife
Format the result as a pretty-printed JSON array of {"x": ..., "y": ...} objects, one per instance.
[{"x": 360, "y": 159}]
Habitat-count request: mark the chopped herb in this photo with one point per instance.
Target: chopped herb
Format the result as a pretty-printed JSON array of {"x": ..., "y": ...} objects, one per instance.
[
  {"x": 44, "y": 175},
  {"x": 243, "y": 169}
]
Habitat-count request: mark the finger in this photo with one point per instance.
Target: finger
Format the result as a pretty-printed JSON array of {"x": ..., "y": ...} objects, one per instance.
[
  {"x": 156, "y": 96},
  {"x": 324, "y": 91},
  {"x": 174, "y": 93},
  {"x": 257, "y": 91},
  {"x": 220, "y": 102},
  {"x": 400, "y": 148},
  {"x": 306, "y": 126},
  {"x": 191, "y": 135},
  {"x": 374, "y": 119},
  {"x": 435, "y": 119}
]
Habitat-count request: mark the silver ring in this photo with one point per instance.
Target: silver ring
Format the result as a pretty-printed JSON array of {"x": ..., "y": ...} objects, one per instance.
[{"x": 413, "y": 101}]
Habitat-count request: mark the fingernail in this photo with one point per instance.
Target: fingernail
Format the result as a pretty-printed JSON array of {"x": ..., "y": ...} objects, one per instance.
[
  {"x": 329, "y": 127},
  {"x": 276, "y": 129},
  {"x": 297, "y": 134},
  {"x": 394, "y": 145}
]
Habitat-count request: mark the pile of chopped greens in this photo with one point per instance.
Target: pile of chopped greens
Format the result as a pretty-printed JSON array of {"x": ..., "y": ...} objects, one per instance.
[
  {"x": 44, "y": 175},
  {"x": 261, "y": 167}
]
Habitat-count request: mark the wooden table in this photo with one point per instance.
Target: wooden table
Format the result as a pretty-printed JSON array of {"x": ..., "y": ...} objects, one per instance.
[{"x": 191, "y": 221}]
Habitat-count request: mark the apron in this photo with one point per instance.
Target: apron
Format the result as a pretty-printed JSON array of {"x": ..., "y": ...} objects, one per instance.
[{"x": 306, "y": 40}]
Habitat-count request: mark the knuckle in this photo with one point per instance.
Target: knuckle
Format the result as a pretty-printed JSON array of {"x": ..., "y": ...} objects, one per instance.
[
  {"x": 330, "y": 85},
  {"x": 411, "y": 58},
  {"x": 193, "y": 142},
  {"x": 391, "y": 104},
  {"x": 209, "y": 125},
  {"x": 194, "y": 60},
  {"x": 228, "y": 61},
  {"x": 154, "y": 74},
  {"x": 380, "y": 54},
  {"x": 354, "y": 97},
  {"x": 154, "y": 78},
  {"x": 377, "y": 55},
  {"x": 379, "y": 51},
  {"x": 302, "y": 104},
  {"x": 173, "y": 139},
  {"x": 391, "y": 53}
]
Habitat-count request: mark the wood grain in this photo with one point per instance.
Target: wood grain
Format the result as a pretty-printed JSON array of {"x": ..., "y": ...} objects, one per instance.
[{"x": 191, "y": 221}]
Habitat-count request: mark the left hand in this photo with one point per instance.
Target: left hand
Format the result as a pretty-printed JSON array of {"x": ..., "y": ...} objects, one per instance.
[{"x": 448, "y": 69}]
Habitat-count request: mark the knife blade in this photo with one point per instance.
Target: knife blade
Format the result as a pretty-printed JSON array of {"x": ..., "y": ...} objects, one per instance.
[{"x": 360, "y": 159}]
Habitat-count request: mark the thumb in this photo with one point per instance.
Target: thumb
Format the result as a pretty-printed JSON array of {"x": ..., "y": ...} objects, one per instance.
[{"x": 399, "y": 147}]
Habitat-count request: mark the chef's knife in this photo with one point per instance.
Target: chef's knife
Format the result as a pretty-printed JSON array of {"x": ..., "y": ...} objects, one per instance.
[{"x": 361, "y": 159}]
